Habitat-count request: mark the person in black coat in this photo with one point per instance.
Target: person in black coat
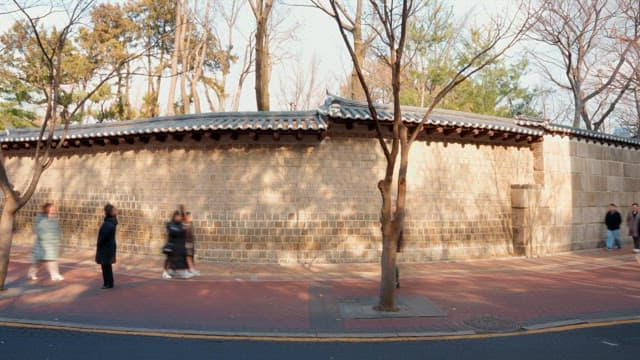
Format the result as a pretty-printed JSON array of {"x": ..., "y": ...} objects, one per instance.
[
  {"x": 176, "y": 263},
  {"x": 106, "y": 245}
]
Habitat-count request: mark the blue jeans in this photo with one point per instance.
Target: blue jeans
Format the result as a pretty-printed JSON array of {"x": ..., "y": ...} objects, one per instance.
[{"x": 613, "y": 236}]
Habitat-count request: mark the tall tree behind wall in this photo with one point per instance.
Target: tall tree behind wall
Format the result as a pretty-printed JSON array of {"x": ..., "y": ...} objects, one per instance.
[
  {"x": 361, "y": 39},
  {"x": 587, "y": 58},
  {"x": 180, "y": 17},
  {"x": 229, "y": 13},
  {"x": 432, "y": 42},
  {"x": 108, "y": 42},
  {"x": 154, "y": 27},
  {"x": 196, "y": 56},
  {"x": 261, "y": 11},
  {"x": 628, "y": 113}
]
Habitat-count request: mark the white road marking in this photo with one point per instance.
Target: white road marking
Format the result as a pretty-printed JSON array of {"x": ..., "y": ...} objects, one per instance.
[{"x": 610, "y": 343}]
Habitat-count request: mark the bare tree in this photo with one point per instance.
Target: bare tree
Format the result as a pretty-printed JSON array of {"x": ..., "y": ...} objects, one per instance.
[
  {"x": 629, "y": 109},
  {"x": 392, "y": 18},
  {"x": 52, "y": 51},
  {"x": 229, "y": 14},
  {"x": 180, "y": 16},
  {"x": 583, "y": 34},
  {"x": 245, "y": 70},
  {"x": 301, "y": 90},
  {"x": 353, "y": 24},
  {"x": 261, "y": 10}
]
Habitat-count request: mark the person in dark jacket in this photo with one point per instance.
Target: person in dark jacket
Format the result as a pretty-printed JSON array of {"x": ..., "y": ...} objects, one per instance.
[
  {"x": 176, "y": 262},
  {"x": 613, "y": 219},
  {"x": 633, "y": 223},
  {"x": 106, "y": 245}
]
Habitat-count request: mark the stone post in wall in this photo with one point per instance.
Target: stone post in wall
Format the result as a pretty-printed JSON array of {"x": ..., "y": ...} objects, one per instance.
[{"x": 526, "y": 219}]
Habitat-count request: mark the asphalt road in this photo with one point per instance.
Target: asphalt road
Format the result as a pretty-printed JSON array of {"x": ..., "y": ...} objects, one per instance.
[{"x": 615, "y": 342}]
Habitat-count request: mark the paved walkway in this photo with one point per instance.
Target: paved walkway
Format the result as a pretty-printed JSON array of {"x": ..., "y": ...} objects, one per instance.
[{"x": 314, "y": 300}]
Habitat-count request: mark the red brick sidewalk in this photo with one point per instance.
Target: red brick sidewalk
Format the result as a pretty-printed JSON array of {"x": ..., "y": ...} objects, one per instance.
[{"x": 480, "y": 296}]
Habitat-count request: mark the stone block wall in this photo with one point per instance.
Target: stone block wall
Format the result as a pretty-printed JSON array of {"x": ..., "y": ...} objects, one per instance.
[
  {"x": 287, "y": 201},
  {"x": 576, "y": 181}
]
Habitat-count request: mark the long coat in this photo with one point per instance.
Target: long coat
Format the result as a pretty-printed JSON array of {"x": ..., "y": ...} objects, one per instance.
[
  {"x": 106, "y": 246},
  {"x": 47, "y": 238},
  {"x": 176, "y": 236},
  {"x": 633, "y": 223}
]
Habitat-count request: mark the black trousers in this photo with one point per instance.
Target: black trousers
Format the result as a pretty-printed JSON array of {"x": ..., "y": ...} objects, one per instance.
[
  {"x": 107, "y": 275},
  {"x": 636, "y": 242}
]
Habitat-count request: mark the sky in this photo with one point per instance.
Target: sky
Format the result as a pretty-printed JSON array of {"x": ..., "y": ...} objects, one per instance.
[{"x": 317, "y": 37}]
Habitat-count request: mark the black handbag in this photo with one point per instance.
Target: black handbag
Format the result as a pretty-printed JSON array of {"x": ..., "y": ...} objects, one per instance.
[{"x": 167, "y": 248}]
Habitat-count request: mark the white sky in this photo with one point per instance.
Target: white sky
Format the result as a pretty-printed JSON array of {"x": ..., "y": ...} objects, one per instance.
[{"x": 317, "y": 35}]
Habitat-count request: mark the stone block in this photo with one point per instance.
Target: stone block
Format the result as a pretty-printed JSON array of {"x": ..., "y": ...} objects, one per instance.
[
  {"x": 596, "y": 151},
  {"x": 582, "y": 150},
  {"x": 594, "y": 166},
  {"x": 631, "y": 170},
  {"x": 578, "y": 165},
  {"x": 613, "y": 153},
  {"x": 615, "y": 168},
  {"x": 615, "y": 184}
]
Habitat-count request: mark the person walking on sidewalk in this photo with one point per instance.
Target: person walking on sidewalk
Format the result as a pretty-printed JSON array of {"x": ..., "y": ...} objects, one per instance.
[
  {"x": 189, "y": 244},
  {"x": 45, "y": 249},
  {"x": 106, "y": 245},
  {"x": 633, "y": 223},
  {"x": 176, "y": 262},
  {"x": 613, "y": 221}
]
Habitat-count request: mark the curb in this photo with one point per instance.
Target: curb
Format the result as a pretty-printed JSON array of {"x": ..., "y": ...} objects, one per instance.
[{"x": 400, "y": 336}]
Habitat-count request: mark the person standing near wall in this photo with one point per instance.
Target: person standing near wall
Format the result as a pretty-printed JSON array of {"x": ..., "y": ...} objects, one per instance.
[
  {"x": 45, "y": 249},
  {"x": 633, "y": 223},
  {"x": 613, "y": 221},
  {"x": 106, "y": 245}
]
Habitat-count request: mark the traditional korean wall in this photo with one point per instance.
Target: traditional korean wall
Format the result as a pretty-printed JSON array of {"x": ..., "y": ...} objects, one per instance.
[
  {"x": 575, "y": 181},
  {"x": 286, "y": 201}
]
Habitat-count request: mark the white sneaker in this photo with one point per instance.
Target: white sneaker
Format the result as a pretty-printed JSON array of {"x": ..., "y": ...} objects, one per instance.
[
  {"x": 57, "y": 277},
  {"x": 166, "y": 276},
  {"x": 636, "y": 250},
  {"x": 186, "y": 274},
  {"x": 195, "y": 272},
  {"x": 33, "y": 277}
]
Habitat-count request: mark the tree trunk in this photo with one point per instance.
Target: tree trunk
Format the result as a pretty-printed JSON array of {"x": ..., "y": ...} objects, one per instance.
[
  {"x": 359, "y": 49},
  {"x": 263, "y": 61},
  {"x": 186, "y": 61},
  {"x": 6, "y": 235},
  {"x": 119, "y": 101},
  {"x": 387, "y": 301},
  {"x": 262, "y": 68},
  {"x": 177, "y": 45},
  {"x": 127, "y": 90},
  {"x": 150, "y": 70}
]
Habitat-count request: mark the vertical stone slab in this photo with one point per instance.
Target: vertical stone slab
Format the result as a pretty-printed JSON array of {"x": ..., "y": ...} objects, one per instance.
[{"x": 528, "y": 227}]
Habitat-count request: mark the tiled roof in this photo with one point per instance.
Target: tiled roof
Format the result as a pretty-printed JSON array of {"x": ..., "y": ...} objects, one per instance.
[
  {"x": 340, "y": 108},
  {"x": 580, "y": 133},
  {"x": 238, "y": 121},
  {"x": 567, "y": 130},
  {"x": 315, "y": 121}
]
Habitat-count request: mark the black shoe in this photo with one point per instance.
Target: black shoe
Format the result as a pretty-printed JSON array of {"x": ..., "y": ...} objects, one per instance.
[
  {"x": 104, "y": 287},
  {"x": 397, "y": 285}
]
